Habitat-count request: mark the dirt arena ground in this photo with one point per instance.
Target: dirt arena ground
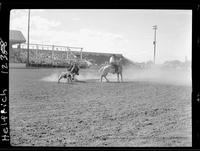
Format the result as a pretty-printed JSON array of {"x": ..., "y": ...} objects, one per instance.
[{"x": 136, "y": 113}]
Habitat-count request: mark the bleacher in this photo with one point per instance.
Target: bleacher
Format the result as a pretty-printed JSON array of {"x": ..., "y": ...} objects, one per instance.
[
  {"x": 56, "y": 58},
  {"x": 51, "y": 55}
]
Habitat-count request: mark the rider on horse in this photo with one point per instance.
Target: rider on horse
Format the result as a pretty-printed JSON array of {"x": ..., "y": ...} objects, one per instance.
[{"x": 113, "y": 62}]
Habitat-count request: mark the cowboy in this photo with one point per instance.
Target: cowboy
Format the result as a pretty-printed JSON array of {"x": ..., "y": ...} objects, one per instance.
[
  {"x": 70, "y": 66},
  {"x": 74, "y": 69},
  {"x": 113, "y": 62}
]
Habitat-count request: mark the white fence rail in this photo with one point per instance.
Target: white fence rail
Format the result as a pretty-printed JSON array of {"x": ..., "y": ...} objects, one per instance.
[{"x": 51, "y": 48}]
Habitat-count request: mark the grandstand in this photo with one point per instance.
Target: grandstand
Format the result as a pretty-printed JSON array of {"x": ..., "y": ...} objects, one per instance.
[
  {"x": 51, "y": 55},
  {"x": 56, "y": 56}
]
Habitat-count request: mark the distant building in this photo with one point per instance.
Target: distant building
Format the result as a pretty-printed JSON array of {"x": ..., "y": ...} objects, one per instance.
[
  {"x": 16, "y": 37},
  {"x": 176, "y": 64}
]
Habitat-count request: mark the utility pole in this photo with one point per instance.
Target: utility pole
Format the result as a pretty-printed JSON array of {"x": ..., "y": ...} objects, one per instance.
[
  {"x": 52, "y": 56},
  {"x": 28, "y": 37},
  {"x": 154, "y": 43},
  {"x": 81, "y": 54}
]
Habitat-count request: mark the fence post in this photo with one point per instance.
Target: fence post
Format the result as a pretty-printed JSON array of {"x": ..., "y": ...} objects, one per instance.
[
  {"x": 37, "y": 56},
  {"x": 67, "y": 53}
]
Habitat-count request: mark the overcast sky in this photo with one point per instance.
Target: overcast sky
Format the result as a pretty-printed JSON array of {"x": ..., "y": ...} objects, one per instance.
[{"x": 125, "y": 31}]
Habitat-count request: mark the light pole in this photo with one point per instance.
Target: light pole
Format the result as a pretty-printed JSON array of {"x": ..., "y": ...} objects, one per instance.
[
  {"x": 28, "y": 37},
  {"x": 81, "y": 54},
  {"x": 154, "y": 43}
]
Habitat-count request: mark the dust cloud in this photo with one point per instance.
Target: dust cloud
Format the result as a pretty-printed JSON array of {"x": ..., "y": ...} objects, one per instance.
[
  {"x": 51, "y": 78},
  {"x": 158, "y": 74},
  {"x": 84, "y": 75},
  {"x": 88, "y": 75},
  {"x": 153, "y": 74},
  {"x": 130, "y": 73}
]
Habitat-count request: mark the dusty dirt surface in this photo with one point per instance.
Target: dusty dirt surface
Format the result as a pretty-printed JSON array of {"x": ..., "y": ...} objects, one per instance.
[{"x": 89, "y": 113}]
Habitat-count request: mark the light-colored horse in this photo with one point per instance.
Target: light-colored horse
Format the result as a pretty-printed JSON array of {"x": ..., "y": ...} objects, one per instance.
[{"x": 110, "y": 69}]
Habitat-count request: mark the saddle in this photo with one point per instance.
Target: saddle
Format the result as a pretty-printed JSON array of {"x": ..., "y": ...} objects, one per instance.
[{"x": 115, "y": 66}]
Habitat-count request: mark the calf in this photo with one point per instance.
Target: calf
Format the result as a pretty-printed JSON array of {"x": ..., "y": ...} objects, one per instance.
[{"x": 67, "y": 75}]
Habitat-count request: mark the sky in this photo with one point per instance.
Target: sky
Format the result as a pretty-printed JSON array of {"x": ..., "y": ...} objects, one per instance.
[{"x": 125, "y": 31}]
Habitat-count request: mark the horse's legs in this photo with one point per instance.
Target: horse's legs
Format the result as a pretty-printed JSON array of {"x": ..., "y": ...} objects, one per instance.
[
  {"x": 106, "y": 78},
  {"x": 104, "y": 75},
  {"x": 71, "y": 78},
  {"x": 101, "y": 77},
  {"x": 121, "y": 77},
  {"x": 59, "y": 79},
  {"x": 117, "y": 77}
]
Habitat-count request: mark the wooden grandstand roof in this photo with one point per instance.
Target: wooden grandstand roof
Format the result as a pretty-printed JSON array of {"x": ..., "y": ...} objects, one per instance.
[{"x": 16, "y": 37}]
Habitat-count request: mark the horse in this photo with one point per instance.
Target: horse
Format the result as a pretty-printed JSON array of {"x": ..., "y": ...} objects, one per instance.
[
  {"x": 110, "y": 69},
  {"x": 69, "y": 74}
]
